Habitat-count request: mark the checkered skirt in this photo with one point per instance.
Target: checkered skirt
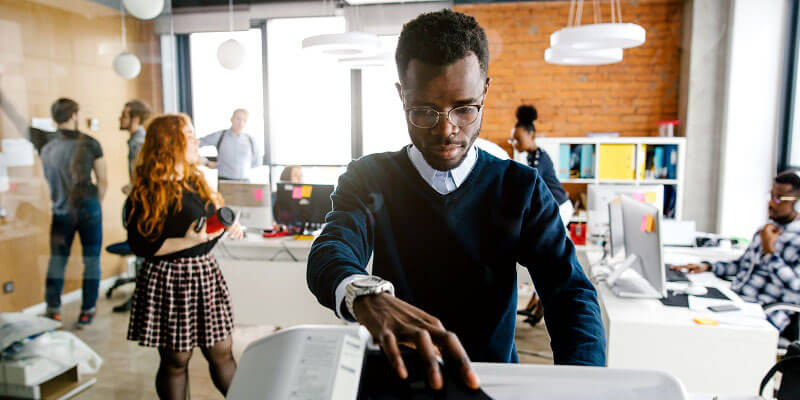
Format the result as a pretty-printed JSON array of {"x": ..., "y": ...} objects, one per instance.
[{"x": 181, "y": 304}]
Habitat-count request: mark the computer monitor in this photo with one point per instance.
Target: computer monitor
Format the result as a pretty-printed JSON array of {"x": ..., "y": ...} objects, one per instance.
[
  {"x": 599, "y": 195},
  {"x": 252, "y": 201},
  {"x": 303, "y": 205},
  {"x": 616, "y": 233},
  {"x": 642, "y": 231}
]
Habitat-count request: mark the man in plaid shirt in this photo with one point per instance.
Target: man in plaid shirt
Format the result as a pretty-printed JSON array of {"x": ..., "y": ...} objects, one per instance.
[{"x": 769, "y": 270}]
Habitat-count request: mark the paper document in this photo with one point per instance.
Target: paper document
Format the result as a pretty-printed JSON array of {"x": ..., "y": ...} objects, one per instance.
[
  {"x": 18, "y": 152},
  {"x": 749, "y": 314}
]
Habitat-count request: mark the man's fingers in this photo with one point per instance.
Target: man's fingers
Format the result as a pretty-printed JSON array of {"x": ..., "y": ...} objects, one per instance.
[
  {"x": 427, "y": 350},
  {"x": 456, "y": 357},
  {"x": 389, "y": 345}
]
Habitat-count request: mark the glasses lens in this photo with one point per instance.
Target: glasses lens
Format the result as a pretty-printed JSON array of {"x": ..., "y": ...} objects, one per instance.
[
  {"x": 423, "y": 117},
  {"x": 463, "y": 116}
]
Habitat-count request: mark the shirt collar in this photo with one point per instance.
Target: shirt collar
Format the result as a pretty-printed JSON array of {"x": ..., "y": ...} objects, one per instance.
[
  {"x": 793, "y": 226},
  {"x": 459, "y": 173},
  {"x": 137, "y": 135}
]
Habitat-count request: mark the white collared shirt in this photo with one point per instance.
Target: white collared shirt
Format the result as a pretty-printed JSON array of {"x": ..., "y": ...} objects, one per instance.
[{"x": 443, "y": 182}]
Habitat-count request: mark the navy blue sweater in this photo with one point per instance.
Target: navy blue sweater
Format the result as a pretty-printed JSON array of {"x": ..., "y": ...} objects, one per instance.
[{"x": 454, "y": 256}]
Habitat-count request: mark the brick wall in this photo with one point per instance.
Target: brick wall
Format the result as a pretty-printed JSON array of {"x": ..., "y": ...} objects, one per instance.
[{"x": 629, "y": 97}]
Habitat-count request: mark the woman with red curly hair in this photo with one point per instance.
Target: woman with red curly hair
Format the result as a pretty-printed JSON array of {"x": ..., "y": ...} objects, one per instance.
[{"x": 181, "y": 299}]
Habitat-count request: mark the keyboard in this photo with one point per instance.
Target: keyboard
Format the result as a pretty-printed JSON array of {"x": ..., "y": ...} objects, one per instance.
[{"x": 676, "y": 276}]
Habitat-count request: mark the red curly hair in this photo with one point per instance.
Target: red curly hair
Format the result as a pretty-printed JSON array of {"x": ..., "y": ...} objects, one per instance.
[{"x": 157, "y": 185}]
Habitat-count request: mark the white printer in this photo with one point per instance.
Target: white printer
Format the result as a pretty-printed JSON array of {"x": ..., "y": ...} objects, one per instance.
[{"x": 340, "y": 363}]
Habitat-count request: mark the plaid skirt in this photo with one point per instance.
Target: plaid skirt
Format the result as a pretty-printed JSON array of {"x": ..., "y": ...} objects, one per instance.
[{"x": 181, "y": 304}]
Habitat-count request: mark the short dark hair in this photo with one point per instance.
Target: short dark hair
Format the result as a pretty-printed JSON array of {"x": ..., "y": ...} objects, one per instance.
[
  {"x": 62, "y": 110},
  {"x": 138, "y": 108},
  {"x": 441, "y": 38},
  {"x": 526, "y": 114},
  {"x": 790, "y": 177}
]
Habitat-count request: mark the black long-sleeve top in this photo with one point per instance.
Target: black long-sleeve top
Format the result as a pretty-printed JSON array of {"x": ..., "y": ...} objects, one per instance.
[{"x": 175, "y": 226}]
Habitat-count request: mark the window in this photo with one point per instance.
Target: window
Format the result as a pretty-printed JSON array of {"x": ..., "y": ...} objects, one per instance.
[
  {"x": 384, "y": 123},
  {"x": 217, "y": 91},
  {"x": 309, "y": 95}
]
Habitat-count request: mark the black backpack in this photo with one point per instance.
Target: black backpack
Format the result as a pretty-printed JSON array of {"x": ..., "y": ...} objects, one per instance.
[{"x": 789, "y": 366}]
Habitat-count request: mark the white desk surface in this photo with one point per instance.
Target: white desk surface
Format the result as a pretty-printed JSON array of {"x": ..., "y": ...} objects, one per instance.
[
  {"x": 253, "y": 239},
  {"x": 727, "y": 359}
]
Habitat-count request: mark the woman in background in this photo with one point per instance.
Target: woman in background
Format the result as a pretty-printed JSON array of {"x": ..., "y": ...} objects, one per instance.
[
  {"x": 523, "y": 139},
  {"x": 181, "y": 300}
]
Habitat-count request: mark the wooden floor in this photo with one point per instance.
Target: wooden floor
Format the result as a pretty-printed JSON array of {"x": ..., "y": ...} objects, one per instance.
[{"x": 128, "y": 370}]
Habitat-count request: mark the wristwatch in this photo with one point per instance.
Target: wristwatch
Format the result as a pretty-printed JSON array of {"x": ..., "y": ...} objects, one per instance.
[{"x": 370, "y": 285}]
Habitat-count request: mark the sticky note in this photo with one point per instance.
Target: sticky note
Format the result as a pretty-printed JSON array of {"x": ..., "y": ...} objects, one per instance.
[
  {"x": 651, "y": 223},
  {"x": 650, "y": 197},
  {"x": 297, "y": 192},
  {"x": 643, "y": 227},
  {"x": 258, "y": 194},
  {"x": 638, "y": 196},
  {"x": 307, "y": 191},
  {"x": 706, "y": 321}
]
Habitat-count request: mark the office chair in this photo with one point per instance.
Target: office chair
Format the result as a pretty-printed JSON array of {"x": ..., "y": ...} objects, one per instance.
[
  {"x": 792, "y": 332},
  {"x": 122, "y": 249}
]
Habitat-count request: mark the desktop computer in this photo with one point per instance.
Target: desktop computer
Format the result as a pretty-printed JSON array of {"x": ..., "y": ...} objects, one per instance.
[
  {"x": 616, "y": 232},
  {"x": 642, "y": 238},
  {"x": 251, "y": 201},
  {"x": 599, "y": 195},
  {"x": 302, "y": 206}
]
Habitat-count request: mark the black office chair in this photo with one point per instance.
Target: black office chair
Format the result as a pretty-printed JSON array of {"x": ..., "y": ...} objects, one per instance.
[
  {"x": 122, "y": 249},
  {"x": 792, "y": 332}
]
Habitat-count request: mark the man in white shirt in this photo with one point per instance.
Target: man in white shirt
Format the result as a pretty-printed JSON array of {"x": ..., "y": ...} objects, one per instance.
[{"x": 236, "y": 150}]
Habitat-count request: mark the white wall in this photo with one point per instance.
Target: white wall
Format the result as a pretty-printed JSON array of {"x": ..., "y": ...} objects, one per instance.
[{"x": 750, "y": 123}]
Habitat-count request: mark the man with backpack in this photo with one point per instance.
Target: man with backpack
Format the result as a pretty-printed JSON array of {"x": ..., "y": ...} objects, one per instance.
[{"x": 236, "y": 150}]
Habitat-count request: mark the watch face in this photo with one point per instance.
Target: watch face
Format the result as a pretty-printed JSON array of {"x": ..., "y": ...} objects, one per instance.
[{"x": 368, "y": 282}]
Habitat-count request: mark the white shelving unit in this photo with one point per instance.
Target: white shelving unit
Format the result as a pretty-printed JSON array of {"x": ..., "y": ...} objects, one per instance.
[{"x": 552, "y": 146}]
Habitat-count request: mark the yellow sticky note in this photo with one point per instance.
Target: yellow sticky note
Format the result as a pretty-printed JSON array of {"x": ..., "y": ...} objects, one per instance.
[
  {"x": 706, "y": 321},
  {"x": 650, "y": 224},
  {"x": 307, "y": 191},
  {"x": 650, "y": 197}
]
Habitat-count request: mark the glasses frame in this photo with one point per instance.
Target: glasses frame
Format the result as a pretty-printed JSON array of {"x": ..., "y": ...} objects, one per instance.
[
  {"x": 440, "y": 113},
  {"x": 779, "y": 199}
]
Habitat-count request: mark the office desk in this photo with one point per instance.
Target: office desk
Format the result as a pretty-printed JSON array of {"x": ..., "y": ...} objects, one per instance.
[
  {"x": 267, "y": 281},
  {"x": 644, "y": 334}
]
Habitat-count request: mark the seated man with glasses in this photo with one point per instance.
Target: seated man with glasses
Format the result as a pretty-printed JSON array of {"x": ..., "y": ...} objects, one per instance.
[
  {"x": 769, "y": 270},
  {"x": 446, "y": 224}
]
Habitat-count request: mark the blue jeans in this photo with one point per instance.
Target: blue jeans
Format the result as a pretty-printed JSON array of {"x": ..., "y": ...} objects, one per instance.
[{"x": 87, "y": 221}]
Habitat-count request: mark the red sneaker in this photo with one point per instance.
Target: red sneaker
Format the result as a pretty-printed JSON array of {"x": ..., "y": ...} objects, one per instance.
[
  {"x": 85, "y": 319},
  {"x": 53, "y": 315}
]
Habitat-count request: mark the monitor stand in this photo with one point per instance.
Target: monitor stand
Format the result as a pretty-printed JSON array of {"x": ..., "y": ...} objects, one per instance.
[{"x": 632, "y": 286}]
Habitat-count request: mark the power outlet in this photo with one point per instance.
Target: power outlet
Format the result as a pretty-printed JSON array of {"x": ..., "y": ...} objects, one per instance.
[{"x": 8, "y": 287}]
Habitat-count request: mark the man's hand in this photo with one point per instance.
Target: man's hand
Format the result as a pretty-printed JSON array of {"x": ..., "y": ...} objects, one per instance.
[
  {"x": 392, "y": 321},
  {"x": 769, "y": 236},
  {"x": 691, "y": 268},
  {"x": 211, "y": 164}
]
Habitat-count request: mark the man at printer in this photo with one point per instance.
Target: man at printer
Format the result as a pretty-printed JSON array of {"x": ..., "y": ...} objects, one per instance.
[{"x": 448, "y": 223}]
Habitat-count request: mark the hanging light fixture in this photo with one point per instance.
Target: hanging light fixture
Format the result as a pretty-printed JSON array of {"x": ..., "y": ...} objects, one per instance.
[
  {"x": 126, "y": 64},
  {"x": 582, "y": 57},
  {"x": 366, "y": 62},
  {"x": 231, "y": 53},
  {"x": 348, "y": 44},
  {"x": 144, "y": 9},
  {"x": 598, "y": 35}
]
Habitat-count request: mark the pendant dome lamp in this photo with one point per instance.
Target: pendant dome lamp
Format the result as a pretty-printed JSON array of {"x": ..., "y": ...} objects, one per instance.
[
  {"x": 126, "y": 64},
  {"x": 380, "y": 60},
  {"x": 349, "y": 44},
  {"x": 613, "y": 35},
  {"x": 144, "y": 9},
  {"x": 231, "y": 53}
]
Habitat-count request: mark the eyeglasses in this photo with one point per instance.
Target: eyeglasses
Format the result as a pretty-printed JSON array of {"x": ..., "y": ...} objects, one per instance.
[
  {"x": 777, "y": 198},
  {"x": 427, "y": 117},
  {"x": 512, "y": 141}
]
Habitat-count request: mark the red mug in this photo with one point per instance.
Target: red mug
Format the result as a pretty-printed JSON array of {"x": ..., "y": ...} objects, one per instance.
[{"x": 223, "y": 218}]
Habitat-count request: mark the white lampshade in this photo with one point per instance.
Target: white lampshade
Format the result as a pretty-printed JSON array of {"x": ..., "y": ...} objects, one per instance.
[
  {"x": 231, "y": 54},
  {"x": 349, "y": 44},
  {"x": 144, "y": 9},
  {"x": 582, "y": 57},
  {"x": 598, "y": 36},
  {"x": 366, "y": 62},
  {"x": 127, "y": 65}
]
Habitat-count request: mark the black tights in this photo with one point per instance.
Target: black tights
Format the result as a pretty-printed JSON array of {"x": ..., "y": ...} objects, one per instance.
[{"x": 172, "y": 377}]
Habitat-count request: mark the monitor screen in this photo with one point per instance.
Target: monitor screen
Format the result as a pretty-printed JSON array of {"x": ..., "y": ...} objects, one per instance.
[
  {"x": 616, "y": 233},
  {"x": 642, "y": 224},
  {"x": 251, "y": 201},
  {"x": 299, "y": 204}
]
